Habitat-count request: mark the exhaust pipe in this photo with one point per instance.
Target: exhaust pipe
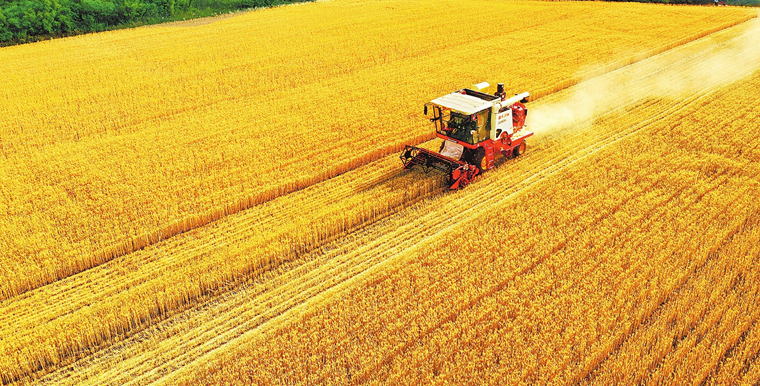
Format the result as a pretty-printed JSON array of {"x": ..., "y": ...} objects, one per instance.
[{"x": 500, "y": 91}]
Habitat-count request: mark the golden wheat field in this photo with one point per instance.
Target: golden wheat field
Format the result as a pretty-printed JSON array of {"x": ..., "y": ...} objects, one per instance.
[{"x": 222, "y": 202}]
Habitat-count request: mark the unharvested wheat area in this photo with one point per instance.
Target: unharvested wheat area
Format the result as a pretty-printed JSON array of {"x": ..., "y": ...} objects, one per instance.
[{"x": 222, "y": 202}]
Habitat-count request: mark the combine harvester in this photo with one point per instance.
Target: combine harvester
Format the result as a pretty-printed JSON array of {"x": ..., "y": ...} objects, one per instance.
[{"x": 475, "y": 127}]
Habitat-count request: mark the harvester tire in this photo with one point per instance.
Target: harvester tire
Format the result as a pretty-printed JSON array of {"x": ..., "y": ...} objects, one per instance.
[
  {"x": 477, "y": 158},
  {"x": 520, "y": 149}
]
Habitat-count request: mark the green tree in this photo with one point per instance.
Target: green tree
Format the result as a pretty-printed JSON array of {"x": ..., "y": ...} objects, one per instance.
[
  {"x": 5, "y": 33},
  {"x": 130, "y": 10},
  {"x": 96, "y": 15},
  {"x": 27, "y": 20},
  {"x": 166, "y": 7}
]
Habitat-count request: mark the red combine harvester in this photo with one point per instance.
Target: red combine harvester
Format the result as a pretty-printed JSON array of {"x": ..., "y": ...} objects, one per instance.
[{"x": 475, "y": 127}]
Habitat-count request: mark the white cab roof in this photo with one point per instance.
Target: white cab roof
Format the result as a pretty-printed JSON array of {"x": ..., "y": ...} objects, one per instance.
[{"x": 463, "y": 103}]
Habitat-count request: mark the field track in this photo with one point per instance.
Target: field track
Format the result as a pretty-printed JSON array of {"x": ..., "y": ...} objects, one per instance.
[{"x": 175, "y": 309}]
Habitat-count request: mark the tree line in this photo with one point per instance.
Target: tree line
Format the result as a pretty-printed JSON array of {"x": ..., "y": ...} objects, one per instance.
[
  {"x": 23, "y": 21},
  {"x": 29, "y": 20}
]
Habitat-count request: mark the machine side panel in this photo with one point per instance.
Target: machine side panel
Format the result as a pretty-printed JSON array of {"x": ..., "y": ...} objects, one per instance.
[{"x": 503, "y": 124}]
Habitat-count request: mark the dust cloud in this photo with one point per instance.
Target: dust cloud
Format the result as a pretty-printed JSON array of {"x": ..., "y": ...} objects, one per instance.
[{"x": 693, "y": 68}]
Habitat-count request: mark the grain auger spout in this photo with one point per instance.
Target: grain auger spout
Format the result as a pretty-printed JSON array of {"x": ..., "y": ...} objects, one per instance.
[{"x": 475, "y": 128}]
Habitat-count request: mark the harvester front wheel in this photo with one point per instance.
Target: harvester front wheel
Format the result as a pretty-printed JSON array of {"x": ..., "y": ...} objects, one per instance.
[
  {"x": 479, "y": 159},
  {"x": 520, "y": 149}
]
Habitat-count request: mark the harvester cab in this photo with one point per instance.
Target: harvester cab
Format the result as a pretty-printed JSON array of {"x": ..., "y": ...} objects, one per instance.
[{"x": 475, "y": 128}]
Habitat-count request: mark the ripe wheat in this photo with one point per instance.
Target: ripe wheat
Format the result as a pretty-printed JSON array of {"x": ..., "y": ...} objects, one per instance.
[{"x": 116, "y": 141}]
